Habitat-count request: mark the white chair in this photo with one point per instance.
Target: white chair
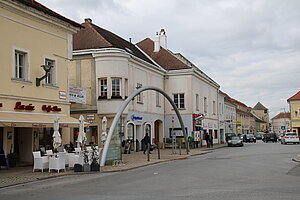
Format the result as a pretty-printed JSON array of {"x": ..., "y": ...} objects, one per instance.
[
  {"x": 75, "y": 159},
  {"x": 77, "y": 150},
  {"x": 49, "y": 152},
  {"x": 58, "y": 163},
  {"x": 40, "y": 162}
]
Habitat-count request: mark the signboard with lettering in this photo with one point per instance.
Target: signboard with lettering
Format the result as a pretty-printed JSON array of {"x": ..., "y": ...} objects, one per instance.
[{"x": 77, "y": 95}]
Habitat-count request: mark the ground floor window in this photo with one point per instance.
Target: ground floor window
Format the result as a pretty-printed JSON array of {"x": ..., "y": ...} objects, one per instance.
[
  {"x": 130, "y": 131},
  {"x": 216, "y": 134}
]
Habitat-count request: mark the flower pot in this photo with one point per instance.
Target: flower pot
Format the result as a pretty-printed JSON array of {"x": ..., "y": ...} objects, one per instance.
[
  {"x": 95, "y": 167},
  {"x": 86, "y": 167}
]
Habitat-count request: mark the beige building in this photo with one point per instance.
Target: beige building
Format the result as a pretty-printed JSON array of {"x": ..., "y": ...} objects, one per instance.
[
  {"x": 281, "y": 122},
  {"x": 294, "y": 103},
  {"x": 262, "y": 113},
  {"x": 33, "y": 36}
]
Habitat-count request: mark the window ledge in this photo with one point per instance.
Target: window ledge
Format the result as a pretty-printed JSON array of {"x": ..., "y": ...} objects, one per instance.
[
  {"x": 116, "y": 97},
  {"x": 140, "y": 102},
  {"x": 21, "y": 80},
  {"x": 50, "y": 86},
  {"x": 102, "y": 97}
]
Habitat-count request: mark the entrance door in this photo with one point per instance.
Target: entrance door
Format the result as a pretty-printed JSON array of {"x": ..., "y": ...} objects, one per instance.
[
  {"x": 156, "y": 132},
  {"x": 1, "y": 137}
]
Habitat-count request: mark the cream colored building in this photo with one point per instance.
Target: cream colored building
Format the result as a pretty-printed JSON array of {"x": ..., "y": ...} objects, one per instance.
[
  {"x": 262, "y": 113},
  {"x": 110, "y": 68},
  {"x": 281, "y": 122},
  {"x": 32, "y": 36},
  {"x": 294, "y": 103}
]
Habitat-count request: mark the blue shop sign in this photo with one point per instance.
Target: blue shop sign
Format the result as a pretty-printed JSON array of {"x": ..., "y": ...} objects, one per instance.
[{"x": 133, "y": 117}]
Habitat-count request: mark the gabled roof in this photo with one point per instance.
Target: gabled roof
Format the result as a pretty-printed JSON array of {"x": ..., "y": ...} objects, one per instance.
[
  {"x": 259, "y": 106},
  {"x": 238, "y": 102},
  {"x": 257, "y": 119},
  {"x": 163, "y": 57},
  {"x": 282, "y": 116},
  {"x": 34, "y": 4},
  {"x": 295, "y": 97},
  {"x": 94, "y": 37}
]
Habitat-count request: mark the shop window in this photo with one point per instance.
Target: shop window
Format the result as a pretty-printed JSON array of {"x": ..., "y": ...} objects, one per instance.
[
  {"x": 216, "y": 134},
  {"x": 130, "y": 131},
  {"x": 179, "y": 100}
]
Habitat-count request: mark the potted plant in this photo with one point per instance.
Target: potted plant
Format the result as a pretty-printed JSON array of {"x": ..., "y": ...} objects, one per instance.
[
  {"x": 95, "y": 159},
  {"x": 86, "y": 166}
]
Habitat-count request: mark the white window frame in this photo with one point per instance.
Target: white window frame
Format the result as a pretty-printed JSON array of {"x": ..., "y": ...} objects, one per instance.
[
  {"x": 140, "y": 95},
  {"x": 116, "y": 88},
  {"x": 205, "y": 105},
  {"x": 16, "y": 67},
  {"x": 101, "y": 92},
  {"x": 51, "y": 78},
  {"x": 157, "y": 98},
  {"x": 197, "y": 102},
  {"x": 178, "y": 99}
]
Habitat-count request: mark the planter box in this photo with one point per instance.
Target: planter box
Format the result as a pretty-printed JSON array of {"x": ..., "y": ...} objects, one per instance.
[
  {"x": 86, "y": 167},
  {"x": 95, "y": 167}
]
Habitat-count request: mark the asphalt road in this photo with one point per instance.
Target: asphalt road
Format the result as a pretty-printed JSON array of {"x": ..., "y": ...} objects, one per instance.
[{"x": 256, "y": 171}]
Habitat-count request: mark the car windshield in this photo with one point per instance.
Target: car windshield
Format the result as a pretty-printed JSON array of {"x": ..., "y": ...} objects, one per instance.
[
  {"x": 235, "y": 138},
  {"x": 291, "y": 134}
]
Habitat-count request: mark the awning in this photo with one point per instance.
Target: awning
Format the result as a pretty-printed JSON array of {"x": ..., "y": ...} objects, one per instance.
[{"x": 35, "y": 120}]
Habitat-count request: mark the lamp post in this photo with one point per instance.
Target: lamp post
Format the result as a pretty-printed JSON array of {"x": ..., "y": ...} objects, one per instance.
[{"x": 47, "y": 69}]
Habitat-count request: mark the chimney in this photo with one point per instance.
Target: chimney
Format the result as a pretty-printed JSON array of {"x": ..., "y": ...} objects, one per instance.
[
  {"x": 88, "y": 20},
  {"x": 163, "y": 38}
]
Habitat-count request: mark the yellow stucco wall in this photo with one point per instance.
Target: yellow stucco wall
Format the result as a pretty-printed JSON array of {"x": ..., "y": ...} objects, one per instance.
[{"x": 295, "y": 115}]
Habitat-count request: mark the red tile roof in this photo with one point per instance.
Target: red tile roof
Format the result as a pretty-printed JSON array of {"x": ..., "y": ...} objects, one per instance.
[
  {"x": 38, "y": 6},
  {"x": 282, "y": 115},
  {"x": 163, "y": 57},
  {"x": 94, "y": 37},
  {"x": 238, "y": 102},
  {"x": 295, "y": 97}
]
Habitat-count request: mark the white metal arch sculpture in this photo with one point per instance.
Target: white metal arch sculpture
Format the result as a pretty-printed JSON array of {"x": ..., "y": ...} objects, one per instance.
[{"x": 122, "y": 108}]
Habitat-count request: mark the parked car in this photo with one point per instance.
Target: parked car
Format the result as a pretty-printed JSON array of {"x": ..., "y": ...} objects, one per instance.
[
  {"x": 228, "y": 136},
  {"x": 280, "y": 136},
  {"x": 242, "y": 136},
  {"x": 258, "y": 136},
  {"x": 270, "y": 137},
  {"x": 250, "y": 138},
  {"x": 290, "y": 137},
  {"x": 235, "y": 141}
]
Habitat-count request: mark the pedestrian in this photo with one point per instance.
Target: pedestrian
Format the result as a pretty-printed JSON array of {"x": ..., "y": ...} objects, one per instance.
[
  {"x": 207, "y": 140},
  {"x": 211, "y": 140},
  {"x": 146, "y": 142}
]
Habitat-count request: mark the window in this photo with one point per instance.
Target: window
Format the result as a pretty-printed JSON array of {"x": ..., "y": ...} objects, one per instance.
[
  {"x": 179, "y": 100},
  {"x": 126, "y": 88},
  {"x": 214, "y": 107},
  {"x": 205, "y": 105},
  {"x": 115, "y": 87},
  {"x": 50, "y": 79},
  {"x": 20, "y": 65},
  {"x": 197, "y": 102},
  {"x": 157, "y": 99},
  {"x": 139, "y": 96},
  {"x": 103, "y": 88}
]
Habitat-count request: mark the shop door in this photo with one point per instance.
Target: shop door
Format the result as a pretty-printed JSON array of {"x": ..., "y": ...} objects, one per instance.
[
  {"x": 1, "y": 137},
  {"x": 156, "y": 132},
  {"x": 25, "y": 139}
]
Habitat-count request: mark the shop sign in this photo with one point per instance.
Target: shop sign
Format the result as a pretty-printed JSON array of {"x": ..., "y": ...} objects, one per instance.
[
  {"x": 62, "y": 95},
  {"x": 39, "y": 125},
  {"x": 19, "y": 106},
  {"x": 77, "y": 95},
  {"x": 90, "y": 117},
  {"x": 49, "y": 108},
  {"x": 133, "y": 117}
]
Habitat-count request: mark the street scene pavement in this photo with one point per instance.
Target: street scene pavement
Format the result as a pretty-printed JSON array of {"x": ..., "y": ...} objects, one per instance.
[{"x": 255, "y": 171}]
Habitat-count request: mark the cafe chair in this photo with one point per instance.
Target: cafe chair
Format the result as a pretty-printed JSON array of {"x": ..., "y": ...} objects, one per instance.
[
  {"x": 58, "y": 162},
  {"x": 40, "y": 162}
]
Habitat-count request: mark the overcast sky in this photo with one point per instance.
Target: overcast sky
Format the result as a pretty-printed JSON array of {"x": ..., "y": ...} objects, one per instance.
[{"x": 251, "y": 48}]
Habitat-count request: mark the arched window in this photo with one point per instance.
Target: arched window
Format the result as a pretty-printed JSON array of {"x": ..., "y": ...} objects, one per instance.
[
  {"x": 148, "y": 129},
  {"x": 130, "y": 131}
]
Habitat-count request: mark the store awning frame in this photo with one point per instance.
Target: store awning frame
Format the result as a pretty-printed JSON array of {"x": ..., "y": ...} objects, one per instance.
[{"x": 35, "y": 120}]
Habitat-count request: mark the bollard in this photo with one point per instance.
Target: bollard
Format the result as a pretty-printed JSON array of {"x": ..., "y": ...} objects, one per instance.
[{"x": 148, "y": 152}]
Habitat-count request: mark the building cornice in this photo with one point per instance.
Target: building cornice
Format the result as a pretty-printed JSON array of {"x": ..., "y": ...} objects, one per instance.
[{"x": 41, "y": 17}]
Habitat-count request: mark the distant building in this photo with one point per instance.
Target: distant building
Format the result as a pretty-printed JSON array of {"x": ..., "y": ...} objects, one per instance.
[
  {"x": 281, "y": 122},
  {"x": 294, "y": 103},
  {"x": 262, "y": 113},
  {"x": 244, "y": 122}
]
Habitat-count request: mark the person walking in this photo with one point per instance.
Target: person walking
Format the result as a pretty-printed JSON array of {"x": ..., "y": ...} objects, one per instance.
[
  {"x": 146, "y": 142},
  {"x": 207, "y": 140},
  {"x": 211, "y": 140}
]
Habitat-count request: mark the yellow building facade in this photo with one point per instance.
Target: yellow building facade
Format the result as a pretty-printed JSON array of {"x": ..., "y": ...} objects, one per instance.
[
  {"x": 32, "y": 39},
  {"x": 294, "y": 103}
]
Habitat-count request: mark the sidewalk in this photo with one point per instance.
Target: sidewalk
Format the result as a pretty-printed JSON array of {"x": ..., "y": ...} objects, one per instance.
[{"x": 19, "y": 175}]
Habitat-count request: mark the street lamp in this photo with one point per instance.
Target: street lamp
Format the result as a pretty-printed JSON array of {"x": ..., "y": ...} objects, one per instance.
[{"x": 47, "y": 69}]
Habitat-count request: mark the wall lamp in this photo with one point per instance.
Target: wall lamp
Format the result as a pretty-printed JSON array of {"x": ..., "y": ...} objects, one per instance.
[{"x": 47, "y": 69}]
